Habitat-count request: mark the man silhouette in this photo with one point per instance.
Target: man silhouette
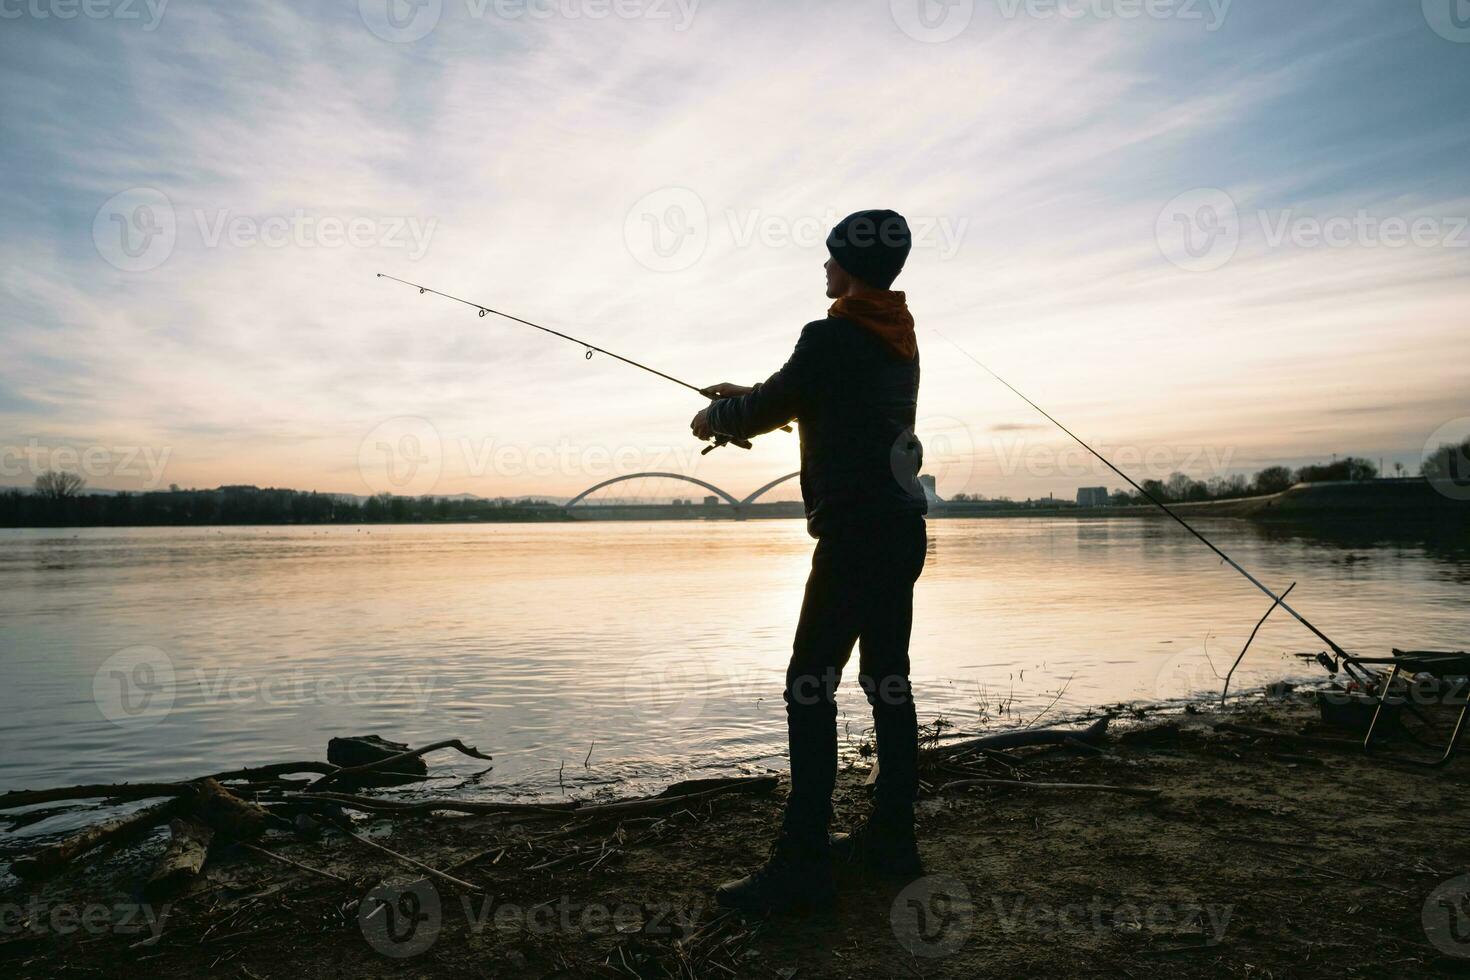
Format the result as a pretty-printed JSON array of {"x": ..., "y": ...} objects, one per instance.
[{"x": 852, "y": 384}]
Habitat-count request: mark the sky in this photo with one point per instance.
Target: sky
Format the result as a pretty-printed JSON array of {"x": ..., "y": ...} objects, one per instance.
[{"x": 1210, "y": 236}]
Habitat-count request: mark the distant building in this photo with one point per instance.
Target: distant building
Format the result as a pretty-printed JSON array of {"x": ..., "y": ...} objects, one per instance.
[
  {"x": 1092, "y": 496},
  {"x": 711, "y": 501},
  {"x": 931, "y": 488}
]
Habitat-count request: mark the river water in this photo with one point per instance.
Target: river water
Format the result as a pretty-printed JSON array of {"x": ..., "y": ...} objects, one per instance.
[{"x": 582, "y": 655}]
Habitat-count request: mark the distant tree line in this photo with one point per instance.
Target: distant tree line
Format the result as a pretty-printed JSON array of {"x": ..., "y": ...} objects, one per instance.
[
  {"x": 58, "y": 501},
  {"x": 1180, "y": 487}
]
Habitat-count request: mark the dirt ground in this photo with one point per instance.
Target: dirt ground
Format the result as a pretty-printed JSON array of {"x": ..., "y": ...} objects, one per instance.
[{"x": 1258, "y": 857}]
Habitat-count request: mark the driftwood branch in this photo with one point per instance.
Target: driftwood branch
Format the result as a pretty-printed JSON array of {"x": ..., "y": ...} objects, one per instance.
[
  {"x": 1225, "y": 691},
  {"x": 431, "y": 872},
  {"x": 274, "y": 771},
  {"x": 253, "y": 849},
  {"x": 368, "y": 804}
]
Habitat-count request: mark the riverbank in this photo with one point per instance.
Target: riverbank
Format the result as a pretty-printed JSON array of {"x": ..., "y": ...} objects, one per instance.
[{"x": 1214, "y": 853}]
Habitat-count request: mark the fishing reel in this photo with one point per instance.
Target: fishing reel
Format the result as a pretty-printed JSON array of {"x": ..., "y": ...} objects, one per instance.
[
  {"x": 727, "y": 441},
  {"x": 724, "y": 441}
]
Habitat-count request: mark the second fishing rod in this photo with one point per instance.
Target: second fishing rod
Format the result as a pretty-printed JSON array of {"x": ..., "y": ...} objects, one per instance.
[
  {"x": 1280, "y": 600},
  {"x": 590, "y": 349}
]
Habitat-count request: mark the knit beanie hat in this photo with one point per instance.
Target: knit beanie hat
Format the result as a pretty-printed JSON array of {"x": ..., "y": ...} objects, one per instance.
[{"x": 872, "y": 246}]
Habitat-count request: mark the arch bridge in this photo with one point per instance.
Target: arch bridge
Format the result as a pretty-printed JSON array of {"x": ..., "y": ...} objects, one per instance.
[{"x": 728, "y": 498}]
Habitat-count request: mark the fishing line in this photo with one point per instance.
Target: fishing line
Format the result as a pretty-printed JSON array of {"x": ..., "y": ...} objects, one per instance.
[{"x": 1279, "y": 600}]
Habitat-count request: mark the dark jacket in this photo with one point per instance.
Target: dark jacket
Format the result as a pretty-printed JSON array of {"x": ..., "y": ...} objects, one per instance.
[{"x": 855, "y": 401}]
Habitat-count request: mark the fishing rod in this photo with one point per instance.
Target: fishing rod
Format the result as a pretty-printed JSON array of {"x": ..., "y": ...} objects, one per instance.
[
  {"x": 1279, "y": 600},
  {"x": 720, "y": 440}
]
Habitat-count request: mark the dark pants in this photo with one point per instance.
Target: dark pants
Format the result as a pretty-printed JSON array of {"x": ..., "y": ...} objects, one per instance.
[{"x": 861, "y": 589}]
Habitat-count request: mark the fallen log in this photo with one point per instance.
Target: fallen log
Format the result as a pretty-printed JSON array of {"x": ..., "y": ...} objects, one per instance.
[
  {"x": 358, "y": 750},
  {"x": 1331, "y": 743},
  {"x": 230, "y": 816},
  {"x": 131, "y": 792},
  {"x": 1026, "y": 784},
  {"x": 115, "y": 791},
  {"x": 1073, "y": 738},
  {"x": 655, "y": 804},
  {"x": 182, "y": 861},
  {"x": 385, "y": 763},
  {"x": 647, "y": 804},
  {"x": 1027, "y": 737},
  {"x": 49, "y": 860}
]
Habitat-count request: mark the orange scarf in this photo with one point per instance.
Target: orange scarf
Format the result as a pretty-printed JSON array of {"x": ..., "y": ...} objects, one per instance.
[{"x": 885, "y": 313}]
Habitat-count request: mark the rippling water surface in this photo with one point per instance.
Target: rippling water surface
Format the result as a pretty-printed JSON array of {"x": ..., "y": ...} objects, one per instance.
[{"x": 659, "y": 647}]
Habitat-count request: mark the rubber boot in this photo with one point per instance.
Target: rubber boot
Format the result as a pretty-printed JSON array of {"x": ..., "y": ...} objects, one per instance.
[
  {"x": 884, "y": 845},
  {"x": 794, "y": 878}
]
